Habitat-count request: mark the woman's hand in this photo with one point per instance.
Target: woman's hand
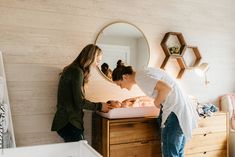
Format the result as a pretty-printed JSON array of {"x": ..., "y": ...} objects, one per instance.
[{"x": 106, "y": 107}]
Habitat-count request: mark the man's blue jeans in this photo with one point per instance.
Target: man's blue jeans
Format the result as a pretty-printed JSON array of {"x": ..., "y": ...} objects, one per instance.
[{"x": 173, "y": 139}]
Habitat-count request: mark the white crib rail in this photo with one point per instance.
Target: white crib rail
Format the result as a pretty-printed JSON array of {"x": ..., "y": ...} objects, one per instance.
[
  {"x": 72, "y": 149},
  {"x": 6, "y": 100}
]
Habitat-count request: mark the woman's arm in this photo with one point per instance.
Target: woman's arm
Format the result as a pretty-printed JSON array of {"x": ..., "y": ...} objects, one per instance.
[
  {"x": 79, "y": 98},
  {"x": 162, "y": 90}
]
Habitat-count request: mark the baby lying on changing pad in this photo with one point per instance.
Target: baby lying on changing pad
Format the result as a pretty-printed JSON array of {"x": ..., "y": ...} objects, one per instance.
[
  {"x": 140, "y": 101},
  {"x": 130, "y": 108}
]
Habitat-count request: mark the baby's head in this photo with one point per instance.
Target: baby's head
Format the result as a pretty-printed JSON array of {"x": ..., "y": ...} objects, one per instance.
[{"x": 114, "y": 103}]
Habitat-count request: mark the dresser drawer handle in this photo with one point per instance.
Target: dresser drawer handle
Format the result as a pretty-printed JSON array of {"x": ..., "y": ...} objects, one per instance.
[{"x": 204, "y": 152}]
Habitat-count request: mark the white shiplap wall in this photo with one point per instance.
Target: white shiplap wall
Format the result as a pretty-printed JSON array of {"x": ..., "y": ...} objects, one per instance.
[{"x": 38, "y": 38}]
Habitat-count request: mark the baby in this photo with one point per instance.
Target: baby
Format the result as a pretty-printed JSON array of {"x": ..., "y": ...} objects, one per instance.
[
  {"x": 132, "y": 102},
  {"x": 114, "y": 103}
]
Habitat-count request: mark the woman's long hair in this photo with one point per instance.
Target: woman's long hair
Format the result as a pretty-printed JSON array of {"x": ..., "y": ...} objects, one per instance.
[{"x": 85, "y": 59}]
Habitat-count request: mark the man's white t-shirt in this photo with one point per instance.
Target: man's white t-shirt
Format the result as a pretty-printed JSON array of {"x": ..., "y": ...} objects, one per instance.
[{"x": 177, "y": 101}]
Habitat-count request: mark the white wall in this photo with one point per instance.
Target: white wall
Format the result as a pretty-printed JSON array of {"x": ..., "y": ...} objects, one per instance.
[{"x": 38, "y": 38}]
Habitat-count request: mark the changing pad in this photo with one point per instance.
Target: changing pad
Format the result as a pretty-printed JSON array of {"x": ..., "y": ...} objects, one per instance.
[{"x": 132, "y": 112}]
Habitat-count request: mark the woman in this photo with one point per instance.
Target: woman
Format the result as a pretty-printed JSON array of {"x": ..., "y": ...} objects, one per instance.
[
  {"x": 68, "y": 120},
  {"x": 178, "y": 116},
  {"x": 105, "y": 69}
]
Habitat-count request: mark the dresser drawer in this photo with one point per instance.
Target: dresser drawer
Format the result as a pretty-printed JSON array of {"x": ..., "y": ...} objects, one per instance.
[
  {"x": 136, "y": 149},
  {"x": 206, "y": 142},
  {"x": 132, "y": 131},
  {"x": 216, "y": 153},
  {"x": 215, "y": 123}
]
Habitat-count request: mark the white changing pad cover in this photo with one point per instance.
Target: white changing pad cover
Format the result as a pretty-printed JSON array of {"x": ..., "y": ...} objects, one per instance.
[{"x": 132, "y": 112}]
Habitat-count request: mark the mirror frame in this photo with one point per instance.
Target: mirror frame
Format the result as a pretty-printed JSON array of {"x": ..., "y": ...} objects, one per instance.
[{"x": 100, "y": 32}]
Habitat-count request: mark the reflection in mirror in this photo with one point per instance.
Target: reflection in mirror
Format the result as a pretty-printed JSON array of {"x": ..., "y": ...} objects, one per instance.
[{"x": 125, "y": 42}]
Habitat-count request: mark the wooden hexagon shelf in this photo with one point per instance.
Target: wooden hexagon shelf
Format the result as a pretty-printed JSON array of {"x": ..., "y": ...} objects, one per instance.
[
  {"x": 174, "y": 48},
  {"x": 173, "y": 44},
  {"x": 193, "y": 54},
  {"x": 180, "y": 62}
]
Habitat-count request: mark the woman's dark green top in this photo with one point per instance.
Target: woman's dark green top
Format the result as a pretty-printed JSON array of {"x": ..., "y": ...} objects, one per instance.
[{"x": 71, "y": 100}]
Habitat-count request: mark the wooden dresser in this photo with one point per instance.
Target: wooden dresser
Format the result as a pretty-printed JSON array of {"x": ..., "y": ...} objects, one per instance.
[
  {"x": 140, "y": 137},
  {"x": 210, "y": 139}
]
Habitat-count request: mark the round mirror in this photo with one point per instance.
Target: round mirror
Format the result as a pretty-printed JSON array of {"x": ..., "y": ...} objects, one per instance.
[{"x": 124, "y": 43}]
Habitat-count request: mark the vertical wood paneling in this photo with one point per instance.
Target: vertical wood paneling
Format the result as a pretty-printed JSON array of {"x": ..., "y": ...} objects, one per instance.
[{"x": 38, "y": 38}]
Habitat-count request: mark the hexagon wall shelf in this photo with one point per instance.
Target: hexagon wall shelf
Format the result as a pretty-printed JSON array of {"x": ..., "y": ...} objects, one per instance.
[
  {"x": 195, "y": 59},
  {"x": 174, "y": 46},
  {"x": 182, "y": 67},
  {"x": 175, "y": 67}
]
